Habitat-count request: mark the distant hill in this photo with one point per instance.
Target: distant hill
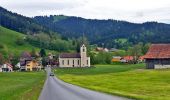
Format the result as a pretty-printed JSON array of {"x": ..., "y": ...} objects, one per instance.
[
  {"x": 8, "y": 42},
  {"x": 111, "y": 33}
]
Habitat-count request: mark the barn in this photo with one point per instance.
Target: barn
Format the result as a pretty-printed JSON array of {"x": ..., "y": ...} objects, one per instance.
[{"x": 158, "y": 56}]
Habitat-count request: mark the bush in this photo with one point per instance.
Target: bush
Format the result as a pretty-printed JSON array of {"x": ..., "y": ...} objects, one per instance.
[{"x": 1, "y": 46}]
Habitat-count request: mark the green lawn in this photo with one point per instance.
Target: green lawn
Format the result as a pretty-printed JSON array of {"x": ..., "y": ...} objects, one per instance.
[
  {"x": 21, "y": 85},
  {"x": 131, "y": 81}
]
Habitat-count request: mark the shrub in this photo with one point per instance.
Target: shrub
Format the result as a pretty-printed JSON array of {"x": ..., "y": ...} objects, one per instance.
[{"x": 1, "y": 46}]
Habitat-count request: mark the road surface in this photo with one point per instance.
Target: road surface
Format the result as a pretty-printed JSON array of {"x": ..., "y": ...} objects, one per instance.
[{"x": 55, "y": 89}]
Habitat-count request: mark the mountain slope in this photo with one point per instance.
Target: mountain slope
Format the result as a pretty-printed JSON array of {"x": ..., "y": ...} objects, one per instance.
[
  {"x": 107, "y": 31},
  {"x": 37, "y": 35},
  {"x": 8, "y": 39},
  {"x": 20, "y": 23}
]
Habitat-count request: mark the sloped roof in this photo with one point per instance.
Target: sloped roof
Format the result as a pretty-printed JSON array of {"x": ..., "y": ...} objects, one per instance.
[
  {"x": 158, "y": 51},
  {"x": 70, "y": 55},
  {"x": 25, "y": 55},
  {"x": 128, "y": 58}
]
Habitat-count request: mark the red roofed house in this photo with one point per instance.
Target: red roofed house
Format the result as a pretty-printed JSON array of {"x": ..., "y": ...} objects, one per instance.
[
  {"x": 141, "y": 59},
  {"x": 127, "y": 59},
  {"x": 75, "y": 59},
  {"x": 158, "y": 56}
]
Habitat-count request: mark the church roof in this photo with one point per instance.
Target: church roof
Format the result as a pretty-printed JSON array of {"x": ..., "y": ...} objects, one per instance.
[{"x": 70, "y": 55}]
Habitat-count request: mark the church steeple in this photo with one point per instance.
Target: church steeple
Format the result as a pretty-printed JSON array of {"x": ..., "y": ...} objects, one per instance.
[{"x": 83, "y": 55}]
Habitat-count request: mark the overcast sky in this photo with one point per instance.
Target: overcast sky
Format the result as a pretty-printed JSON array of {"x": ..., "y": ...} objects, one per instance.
[{"x": 130, "y": 10}]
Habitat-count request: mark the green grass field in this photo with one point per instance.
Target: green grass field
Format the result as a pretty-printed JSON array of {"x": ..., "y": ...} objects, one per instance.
[
  {"x": 21, "y": 85},
  {"x": 132, "y": 81},
  {"x": 8, "y": 39}
]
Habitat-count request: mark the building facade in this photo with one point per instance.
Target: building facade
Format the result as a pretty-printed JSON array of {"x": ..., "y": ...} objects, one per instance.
[
  {"x": 33, "y": 66},
  {"x": 75, "y": 59}
]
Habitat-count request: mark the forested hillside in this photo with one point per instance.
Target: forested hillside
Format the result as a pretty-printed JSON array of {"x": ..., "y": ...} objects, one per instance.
[
  {"x": 61, "y": 32},
  {"x": 35, "y": 34},
  {"x": 111, "y": 33},
  {"x": 19, "y": 23},
  {"x": 12, "y": 42}
]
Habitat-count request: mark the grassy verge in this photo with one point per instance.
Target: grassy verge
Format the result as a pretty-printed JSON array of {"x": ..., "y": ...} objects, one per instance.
[
  {"x": 21, "y": 85},
  {"x": 132, "y": 81}
]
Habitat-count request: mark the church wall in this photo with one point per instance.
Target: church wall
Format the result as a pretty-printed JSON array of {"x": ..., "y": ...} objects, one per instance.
[{"x": 69, "y": 62}]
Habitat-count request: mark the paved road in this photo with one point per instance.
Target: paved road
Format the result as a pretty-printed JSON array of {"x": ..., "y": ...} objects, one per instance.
[{"x": 55, "y": 89}]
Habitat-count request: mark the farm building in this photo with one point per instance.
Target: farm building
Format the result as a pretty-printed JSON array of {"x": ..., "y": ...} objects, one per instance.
[
  {"x": 158, "y": 56},
  {"x": 75, "y": 59}
]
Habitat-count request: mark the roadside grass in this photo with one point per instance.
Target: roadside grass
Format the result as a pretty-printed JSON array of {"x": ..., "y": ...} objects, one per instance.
[
  {"x": 21, "y": 85},
  {"x": 132, "y": 81}
]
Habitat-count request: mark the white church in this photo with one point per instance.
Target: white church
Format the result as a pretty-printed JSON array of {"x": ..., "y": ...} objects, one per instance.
[{"x": 75, "y": 59}]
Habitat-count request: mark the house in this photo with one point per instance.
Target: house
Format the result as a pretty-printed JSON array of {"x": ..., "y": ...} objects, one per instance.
[
  {"x": 18, "y": 65},
  {"x": 75, "y": 59},
  {"x": 127, "y": 59},
  {"x": 6, "y": 67},
  {"x": 141, "y": 59},
  {"x": 100, "y": 49},
  {"x": 24, "y": 58},
  {"x": 113, "y": 50},
  {"x": 32, "y": 66},
  {"x": 158, "y": 56},
  {"x": 116, "y": 59}
]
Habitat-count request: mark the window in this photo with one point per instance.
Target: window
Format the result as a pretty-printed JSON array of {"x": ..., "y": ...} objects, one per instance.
[
  {"x": 78, "y": 62},
  {"x": 87, "y": 62},
  {"x": 83, "y": 50},
  {"x": 73, "y": 62},
  {"x": 68, "y": 62},
  {"x": 63, "y": 62}
]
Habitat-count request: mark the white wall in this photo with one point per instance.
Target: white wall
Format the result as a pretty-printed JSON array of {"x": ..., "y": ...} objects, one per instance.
[
  {"x": 161, "y": 66},
  {"x": 70, "y": 62}
]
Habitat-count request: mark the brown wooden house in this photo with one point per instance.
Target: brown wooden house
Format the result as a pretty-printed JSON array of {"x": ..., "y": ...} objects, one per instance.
[{"x": 158, "y": 56}]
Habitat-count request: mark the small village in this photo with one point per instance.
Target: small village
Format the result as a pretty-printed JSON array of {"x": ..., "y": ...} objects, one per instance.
[
  {"x": 85, "y": 50},
  {"x": 157, "y": 57}
]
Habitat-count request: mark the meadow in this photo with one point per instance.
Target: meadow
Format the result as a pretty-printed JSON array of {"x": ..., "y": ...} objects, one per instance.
[
  {"x": 132, "y": 81},
  {"x": 21, "y": 85},
  {"x": 8, "y": 40}
]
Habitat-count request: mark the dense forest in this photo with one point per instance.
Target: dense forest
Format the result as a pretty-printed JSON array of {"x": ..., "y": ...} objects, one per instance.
[
  {"x": 110, "y": 33},
  {"x": 19, "y": 23}
]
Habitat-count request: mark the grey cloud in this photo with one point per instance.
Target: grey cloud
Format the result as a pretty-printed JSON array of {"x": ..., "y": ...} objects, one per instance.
[{"x": 47, "y": 6}]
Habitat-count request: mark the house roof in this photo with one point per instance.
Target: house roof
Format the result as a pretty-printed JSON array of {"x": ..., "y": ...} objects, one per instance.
[
  {"x": 25, "y": 55},
  {"x": 158, "y": 51},
  {"x": 9, "y": 65},
  {"x": 128, "y": 58},
  {"x": 141, "y": 57},
  {"x": 70, "y": 55}
]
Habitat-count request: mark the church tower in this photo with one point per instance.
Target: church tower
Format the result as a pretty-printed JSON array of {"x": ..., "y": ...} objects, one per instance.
[{"x": 83, "y": 54}]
